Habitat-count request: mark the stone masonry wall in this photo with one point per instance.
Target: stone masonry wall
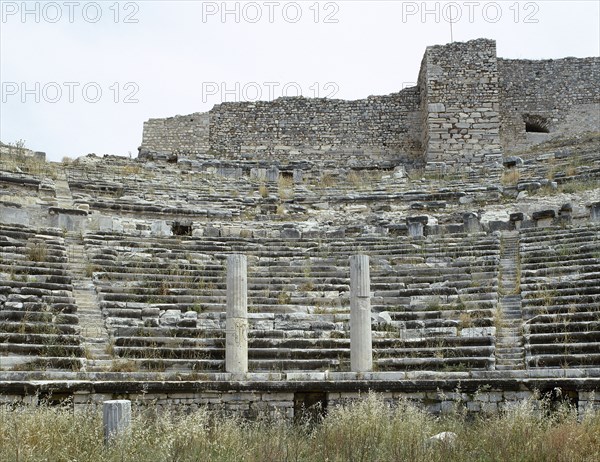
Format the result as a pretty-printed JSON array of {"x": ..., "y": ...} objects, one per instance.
[
  {"x": 467, "y": 108},
  {"x": 461, "y": 120},
  {"x": 256, "y": 401},
  {"x": 376, "y": 129},
  {"x": 187, "y": 135},
  {"x": 564, "y": 92}
]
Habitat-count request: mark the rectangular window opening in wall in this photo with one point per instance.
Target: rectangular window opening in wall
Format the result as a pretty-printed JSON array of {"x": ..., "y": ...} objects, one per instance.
[{"x": 181, "y": 228}]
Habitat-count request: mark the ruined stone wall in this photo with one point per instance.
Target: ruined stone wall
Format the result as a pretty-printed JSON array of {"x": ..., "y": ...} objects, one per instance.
[
  {"x": 376, "y": 129},
  {"x": 381, "y": 129},
  {"x": 461, "y": 123},
  {"x": 179, "y": 135},
  {"x": 563, "y": 94},
  {"x": 467, "y": 108}
]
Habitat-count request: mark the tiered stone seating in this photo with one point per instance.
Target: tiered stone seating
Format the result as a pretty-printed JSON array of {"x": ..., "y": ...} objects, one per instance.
[
  {"x": 560, "y": 285},
  {"x": 570, "y": 165},
  {"x": 442, "y": 294},
  {"x": 38, "y": 315},
  {"x": 129, "y": 188},
  {"x": 165, "y": 191},
  {"x": 18, "y": 187},
  {"x": 434, "y": 301}
]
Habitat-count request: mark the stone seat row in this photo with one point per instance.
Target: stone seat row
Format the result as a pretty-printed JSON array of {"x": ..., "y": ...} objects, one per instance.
[
  {"x": 128, "y": 194},
  {"x": 212, "y": 212},
  {"x": 206, "y": 290},
  {"x": 561, "y": 163},
  {"x": 38, "y": 313},
  {"x": 474, "y": 239},
  {"x": 267, "y": 354}
]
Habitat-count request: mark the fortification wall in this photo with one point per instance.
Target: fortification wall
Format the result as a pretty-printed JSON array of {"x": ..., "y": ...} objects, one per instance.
[
  {"x": 461, "y": 122},
  {"x": 561, "y": 95},
  {"x": 180, "y": 135},
  {"x": 380, "y": 128},
  {"x": 468, "y": 107}
]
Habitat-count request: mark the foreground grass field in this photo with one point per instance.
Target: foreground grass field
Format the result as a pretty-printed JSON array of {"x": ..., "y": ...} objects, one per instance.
[{"x": 366, "y": 431}]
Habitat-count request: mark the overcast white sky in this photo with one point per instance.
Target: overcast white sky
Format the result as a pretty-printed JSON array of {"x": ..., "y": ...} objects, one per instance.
[{"x": 80, "y": 77}]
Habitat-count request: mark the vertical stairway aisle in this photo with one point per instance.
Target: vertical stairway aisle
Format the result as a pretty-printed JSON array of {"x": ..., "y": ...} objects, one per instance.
[
  {"x": 510, "y": 353},
  {"x": 93, "y": 328}
]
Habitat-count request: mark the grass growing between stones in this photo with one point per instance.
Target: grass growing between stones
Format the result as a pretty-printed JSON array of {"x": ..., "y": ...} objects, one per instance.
[{"x": 366, "y": 430}]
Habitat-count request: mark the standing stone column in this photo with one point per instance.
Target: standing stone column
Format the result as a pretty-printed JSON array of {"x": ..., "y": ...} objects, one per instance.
[
  {"x": 236, "y": 340},
  {"x": 361, "y": 355},
  {"x": 116, "y": 416}
]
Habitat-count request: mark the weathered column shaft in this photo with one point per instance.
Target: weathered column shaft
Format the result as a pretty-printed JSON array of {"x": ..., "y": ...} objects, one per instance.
[
  {"x": 361, "y": 356},
  {"x": 236, "y": 334},
  {"x": 116, "y": 416}
]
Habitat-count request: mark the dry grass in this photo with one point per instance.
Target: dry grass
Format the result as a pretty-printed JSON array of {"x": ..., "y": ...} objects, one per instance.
[
  {"x": 263, "y": 191},
  {"x": 285, "y": 187},
  {"x": 328, "y": 181},
  {"x": 17, "y": 158},
  {"x": 37, "y": 251},
  {"x": 510, "y": 177},
  {"x": 132, "y": 169},
  {"x": 366, "y": 430}
]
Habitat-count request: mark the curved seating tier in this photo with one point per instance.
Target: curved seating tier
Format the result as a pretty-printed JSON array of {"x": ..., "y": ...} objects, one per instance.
[
  {"x": 569, "y": 164},
  {"x": 124, "y": 187},
  {"x": 433, "y": 304}
]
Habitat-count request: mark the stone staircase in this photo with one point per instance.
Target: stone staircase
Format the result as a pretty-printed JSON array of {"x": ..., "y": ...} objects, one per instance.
[
  {"x": 510, "y": 353},
  {"x": 64, "y": 198},
  {"x": 93, "y": 328}
]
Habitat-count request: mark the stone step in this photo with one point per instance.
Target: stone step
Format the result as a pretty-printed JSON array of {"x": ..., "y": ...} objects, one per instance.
[
  {"x": 517, "y": 356},
  {"x": 510, "y": 358},
  {"x": 99, "y": 365},
  {"x": 510, "y": 367},
  {"x": 512, "y": 318},
  {"x": 510, "y": 348},
  {"x": 91, "y": 319},
  {"x": 510, "y": 340}
]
